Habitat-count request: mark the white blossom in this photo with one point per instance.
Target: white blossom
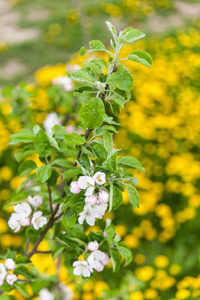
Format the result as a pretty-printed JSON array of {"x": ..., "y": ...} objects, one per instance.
[
  {"x": 10, "y": 264},
  {"x": 65, "y": 82},
  {"x": 93, "y": 246},
  {"x": 44, "y": 294},
  {"x": 75, "y": 189},
  {"x": 70, "y": 67},
  {"x": 50, "y": 121},
  {"x": 23, "y": 209},
  {"x": 88, "y": 214},
  {"x": 2, "y": 272},
  {"x": 38, "y": 221},
  {"x": 14, "y": 224},
  {"x": 103, "y": 196},
  {"x": 85, "y": 182},
  {"x": 20, "y": 217},
  {"x": 11, "y": 278},
  {"x": 99, "y": 178},
  {"x": 34, "y": 201},
  {"x": 82, "y": 267}
]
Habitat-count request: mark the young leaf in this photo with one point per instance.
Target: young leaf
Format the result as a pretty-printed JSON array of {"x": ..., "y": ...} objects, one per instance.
[
  {"x": 96, "y": 45},
  {"x": 42, "y": 144},
  {"x": 80, "y": 75},
  {"x": 130, "y": 162},
  {"x": 74, "y": 139},
  {"x": 26, "y": 167},
  {"x": 91, "y": 114},
  {"x": 24, "y": 136},
  {"x": 44, "y": 173},
  {"x": 112, "y": 30},
  {"x": 71, "y": 173},
  {"x": 123, "y": 80},
  {"x": 19, "y": 156},
  {"x": 130, "y": 35},
  {"x": 69, "y": 218},
  {"x": 108, "y": 141},
  {"x": 58, "y": 251},
  {"x": 116, "y": 259},
  {"x": 134, "y": 197},
  {"x": 141, "y": 57},
  {"x": 77, "y": 202}
]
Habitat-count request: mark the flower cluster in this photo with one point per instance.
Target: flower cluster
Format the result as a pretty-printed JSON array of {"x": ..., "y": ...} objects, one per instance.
[
  {"x": 23, "y": 216},
  {"x": 5, "y": 272},
  {"x": 96, "y": 261},
  {"x": 95, "y": 203}
]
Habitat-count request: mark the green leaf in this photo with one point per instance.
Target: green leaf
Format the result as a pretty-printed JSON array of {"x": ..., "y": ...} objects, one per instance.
[
  {"x": 82, "y": 51},
  {"x": 20, "y": 286},
  {"x": 57, "y": 251},
  {"x": 100, "y": 152},
  {"x": 125, "y": 252},
  {"x": 4, "y": 297},
  {"x": 123, "y": 80},
  {"x": 69, "y": 218},
  {"x": 24, "y": 136},
  {"x": 74, "y": 139},
  {"x": 19, "y": 156},
  {"x": 70, "y": 242},
  {"x": 63, "y": 163},
  {"x": 44, "y": 173},
  {"x": 53, "y": 142},
  {"x": 130, "y": 35},
  {"x": 26, "y": 167},
  {"x": 92, "y": 66},
  {"x": 22, "y": 260},
  {"x": 130, "y": 163},
  {"x": 116, "y": 198},
  {"x": 119, "y": 99},
  {"x": 134, "y": 197},
  {"x": 91, "y": 114},
  {"x": 22, "y": 270},
  {"x": 71, "y": 173},
  {"x": 80, "y": 75},
  {"x": 116, "y": 259},
  {"x": 112, "y": 29},
  {"x": 77, "y": 202},
  {"x": 141, "y": 57},
  {"x": 108, "y": 141},
  {"x": 42, "y": 144},
  {"x": 53, "y": 179}
]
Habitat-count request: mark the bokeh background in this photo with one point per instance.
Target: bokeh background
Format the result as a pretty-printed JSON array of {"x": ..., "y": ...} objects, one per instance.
[{"x": 160, "y": 127}]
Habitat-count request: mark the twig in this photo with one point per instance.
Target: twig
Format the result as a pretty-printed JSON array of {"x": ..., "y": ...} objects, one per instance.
[
  {"x": 27, "y": 244},
  {"x": 43, "y": 252},
  {"x": 50, "y": 199}
]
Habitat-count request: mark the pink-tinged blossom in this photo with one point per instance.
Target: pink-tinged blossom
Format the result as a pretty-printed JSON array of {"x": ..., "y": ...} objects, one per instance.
[
  {"x": 38, "y": 221},
  {"x": 106, "y": 260},
  {"x": 11, "y": 278},
  {"x": 10, "y": 264},
  {"x": 99, "y": 178},
  {"x": 1, "y": 281},
  {"x": 50, "y": 121},
  {"x": 44, "y": 294},
  {"x": 85, "y": 182},
  {"x": 2, "y": 272},
  {"x": 95, "y": 260},
  {"x": 75, "y": 189},
  {"x": 81, "y": 267},
  {"x": 70, "y": 67},
  {"x": 88, "y": 214},
  {"x": 93, "y": 246},
  {"x": 103, "y": 197},
  {"x": 34, "y": 201},
  {"x": 92, "y": 200}
]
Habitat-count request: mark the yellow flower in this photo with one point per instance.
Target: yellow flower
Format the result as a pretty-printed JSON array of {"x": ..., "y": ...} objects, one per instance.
[
  {"x": 120, "y": 229},
  {"x": 139, "y": 259},
  {"x": 161, "y": 261},
  {"x": 150, "y": 294},
  {"x": 131, "y": 241},
  {"x": 136, "y": 296},
  {"x": 145, "y": 273},
  {"x": 174, "y": 269},
  {"x": 182, "y": 294}
]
